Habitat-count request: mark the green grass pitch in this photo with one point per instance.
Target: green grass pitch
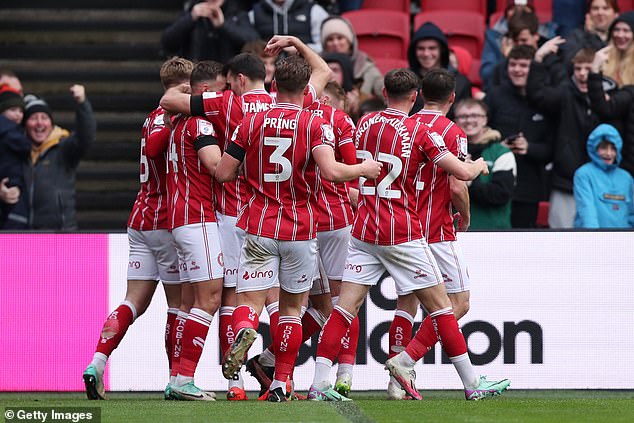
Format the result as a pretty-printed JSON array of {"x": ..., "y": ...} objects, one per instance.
[{"x": 557, "y": 406}]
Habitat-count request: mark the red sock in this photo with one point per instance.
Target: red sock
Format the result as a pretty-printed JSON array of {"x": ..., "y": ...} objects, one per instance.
[
  {"x": 289, "y": 334},
  {"x": 335, "y": 329},
  {"x": 115, "y": 327},
  {"x": 348, "y": 352},
  {"x": 244, "y": 317},
  {"x": 400, "y": 332},
  {"x": 273, "y": 310},
  {"x": 169, "y": 328},
  {"x": 423, "y": 341},
  {"x": 194, "y": 336},
  {"x": 312, "y": 322},
  {"x": 225, "y": 329},
  {"x": 449, "y": 334},
  {"x": 177, "y": 341}
]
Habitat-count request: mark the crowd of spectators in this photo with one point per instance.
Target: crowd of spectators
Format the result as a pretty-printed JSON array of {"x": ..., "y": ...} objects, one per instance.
[{"x": 537, "y": 90}]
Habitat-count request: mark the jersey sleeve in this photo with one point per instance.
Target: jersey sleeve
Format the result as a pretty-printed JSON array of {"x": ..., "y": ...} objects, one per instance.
[
  {"x": 432, "y": 145},
  {"x": 459, "y": 148},
  {"x": 209, "y": 103},
  {"x": 344, "y": 131},
  {"x": 158, "y": 137},
  {"x": 321, "y": 134},
  {"x": 202, "y": 133}
]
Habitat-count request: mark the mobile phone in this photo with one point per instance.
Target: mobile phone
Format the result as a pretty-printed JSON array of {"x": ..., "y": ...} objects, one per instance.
[{"x": 511, "y": 138}]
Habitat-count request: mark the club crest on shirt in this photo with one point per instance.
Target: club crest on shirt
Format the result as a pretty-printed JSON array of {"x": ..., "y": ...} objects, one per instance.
[{"x": 159, "y": 120}]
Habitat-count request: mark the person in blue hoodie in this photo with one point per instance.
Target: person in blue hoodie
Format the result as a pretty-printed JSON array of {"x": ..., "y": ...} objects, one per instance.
[{"x": 603, "y": 191}]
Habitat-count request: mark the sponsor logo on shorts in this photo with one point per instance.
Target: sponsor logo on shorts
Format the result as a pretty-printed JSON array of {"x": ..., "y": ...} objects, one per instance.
[
  {"x": 268, "y": 274},
  {"x": 420, "y": 274},
  {"x": 354, "y": 267},
  {"x": 134, "y": 264},
  {"x": 221, "y": 260},
  {"x": 302, "y": 279},
  {"x": 193, "y": 266},
  {"x": 173, "y": 269},
  {"x": 231, "y": 272},
  {"x": 446, "y": 278}
]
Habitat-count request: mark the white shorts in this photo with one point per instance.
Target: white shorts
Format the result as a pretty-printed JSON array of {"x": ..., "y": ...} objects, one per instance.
[
  {"x": 320, "y": 280},
  {"x": 231, "y": 240},
  {"x": 453, "y": 266},
  {"x": 199, "y": 252},
  {"x": 264, "y": 261},
  {"x": 333, "y": 250},
  {"x": 411, "y": 265},
  {"x": 152, "y": 256}
]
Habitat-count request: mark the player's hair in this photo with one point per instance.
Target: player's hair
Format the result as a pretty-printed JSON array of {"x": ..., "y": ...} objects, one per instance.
[
  {"x": 335, "y": 90},
  {"x": 254, "y": 47},
  {"x": 613, "y": 4},
  {"x": 207, "y": 70},
  {"x": 437, "y": 86},
  {"x": 521, "y": 21},
  {"x": 292, "y": 74},
  {"x": 248, "y": 64},
  {"x": 399, "y": 83},
  {"x": 584, "y": 55},
  {"x": 7, "y": 72},
  {"x": 175, "y": 71},
  {"x": 472, "y": 102},
  {"x": 522, "y": 52}
]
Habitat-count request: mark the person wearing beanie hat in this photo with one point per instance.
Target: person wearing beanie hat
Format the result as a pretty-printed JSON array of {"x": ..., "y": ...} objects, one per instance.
[
  {"x": 616, "y": 60},
  {"x": 337, "y": 36},
  {"x": 14, "y": 153},
  {"x": 55, "y": 155}
]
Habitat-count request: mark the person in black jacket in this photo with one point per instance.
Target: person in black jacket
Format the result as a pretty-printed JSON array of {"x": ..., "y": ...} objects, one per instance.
[
  {"x": 526, "y": 132},
  {"x": 569, "y": 105},
  {"x": 55, "y": 155},
  {"x": 209, "y": 30}
]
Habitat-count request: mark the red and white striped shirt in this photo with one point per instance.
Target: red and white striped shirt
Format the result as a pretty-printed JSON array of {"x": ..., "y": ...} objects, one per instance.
[
  {"x": 434, "y": 200},
  {"x": 387, "y": 213},
  {"x": 334, "y": 207},
  {"x": 280, "y": 171},
  {"x": 149, "y": 211},
  {"x": 189, "y": 183}
]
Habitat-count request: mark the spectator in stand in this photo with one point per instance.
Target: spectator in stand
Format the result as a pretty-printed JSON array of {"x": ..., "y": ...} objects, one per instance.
[
  {"x": 568, "y": 15},
  {"x": 209, "y": 30},
  {"x": 490, "y": 194},
  {"x": 616, "y": 61},
  {"x": 341, "y": 68},
  {"x": 497, "y": 43},
  {"x": 14, "y": 154},
  {"x": 257, "y": 47},
  {"x": 429, "y": 50},
  {"x": 301, "y": 18},
  {"x": 11, "y": 79},
  {"x": 603, "y": 191},
  {"x": 599, "y": 16},
  {"x": 526, "y": 132},
  {"x": 55, "y": 155},
  {"x": 569, "y": 105},
  {"x": 337, "y": 36}
]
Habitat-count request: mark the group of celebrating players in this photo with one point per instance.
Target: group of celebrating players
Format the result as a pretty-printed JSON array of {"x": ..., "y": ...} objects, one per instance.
[{"x": 251, "y": 200}]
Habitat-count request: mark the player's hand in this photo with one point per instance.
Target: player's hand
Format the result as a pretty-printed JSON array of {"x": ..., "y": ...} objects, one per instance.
[
  {"x": 9, "y": 195},
  {"x": 482, "y": 165},
  {"x": 549, "y": 47},
  {"x": 78, "y": 92},
  {"x": 353, "y": 194},
  {"x": 216, "y": 17},
  {"x": 279, "y": 42},
  {"x": 520, "y": 145},
  {"x": 371, "y": 168},
  {"x": 462, "y": 222},
  {"x": 201, "y": 10}
]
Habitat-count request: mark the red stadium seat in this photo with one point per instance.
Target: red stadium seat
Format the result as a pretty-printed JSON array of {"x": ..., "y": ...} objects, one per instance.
[
  {"x": 386, "y": 64},
  {"x": 542, "y": 214},
  {"x": 543, "y": 17},
  {"x": 463, "y": 29},
  {"x": 381, "y": 33},
  {"x": 625, "y": 5},
  {"x": 474, "y": 74},
  {"x": 398, "y": 5},
  {"x": 479, "y": 6}
]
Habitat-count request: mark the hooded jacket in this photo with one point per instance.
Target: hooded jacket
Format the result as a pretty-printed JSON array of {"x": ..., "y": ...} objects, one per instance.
[
  {"x": 51, "y": 174},
  {"x": 14, "y": 153},
  {"x": 346, "y": 68},
  {"x": 363, "y": 66},
  {"x": 301, "y": 18},
  {"x": 430, "y": 31},
  {"x": 603, "y": 192}
]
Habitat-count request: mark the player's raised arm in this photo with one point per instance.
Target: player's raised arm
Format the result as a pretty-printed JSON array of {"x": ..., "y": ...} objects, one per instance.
[{"x": 177, "y": 99}]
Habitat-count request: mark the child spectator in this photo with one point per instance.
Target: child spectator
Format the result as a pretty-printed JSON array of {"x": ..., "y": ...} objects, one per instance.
[{"x": 603, "y": 191}]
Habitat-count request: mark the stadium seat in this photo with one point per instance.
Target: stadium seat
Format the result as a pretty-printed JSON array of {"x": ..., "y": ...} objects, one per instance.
[
  {"x": 474, "y": 74},
  {"x": 398, "y": 5},
  {"x": 542, "y": 214},
  {"x": 463, "y": 29},
  {"x": 479, "y": 6},
  {"x": 386, "y": 64},
  {"x": 625, "y": 5},
  {"x": 381, "y": 33}
]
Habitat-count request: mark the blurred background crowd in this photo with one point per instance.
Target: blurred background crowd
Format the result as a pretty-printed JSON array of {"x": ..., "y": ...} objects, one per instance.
[{"x": 545, "y": 94}]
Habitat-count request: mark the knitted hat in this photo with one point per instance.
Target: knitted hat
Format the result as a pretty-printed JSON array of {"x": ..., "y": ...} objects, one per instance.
[
  {"x": 34, "y": 104},
  {"x": 10, "y": 97},
  {"x": 336, "y": 25},
  {"x": 627, "y": 17}
]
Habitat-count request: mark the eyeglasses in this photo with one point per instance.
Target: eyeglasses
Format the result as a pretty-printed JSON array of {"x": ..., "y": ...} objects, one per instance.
[{"x": 472, "y": 116}]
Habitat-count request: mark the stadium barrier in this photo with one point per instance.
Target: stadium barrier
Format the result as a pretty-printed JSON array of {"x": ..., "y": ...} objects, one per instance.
[{"x": 549, "y": 310}]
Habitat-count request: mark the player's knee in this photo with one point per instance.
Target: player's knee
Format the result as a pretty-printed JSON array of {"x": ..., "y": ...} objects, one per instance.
[
  {"x": 209, "y": 305},
  {"x": 461, "y": 309}
]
